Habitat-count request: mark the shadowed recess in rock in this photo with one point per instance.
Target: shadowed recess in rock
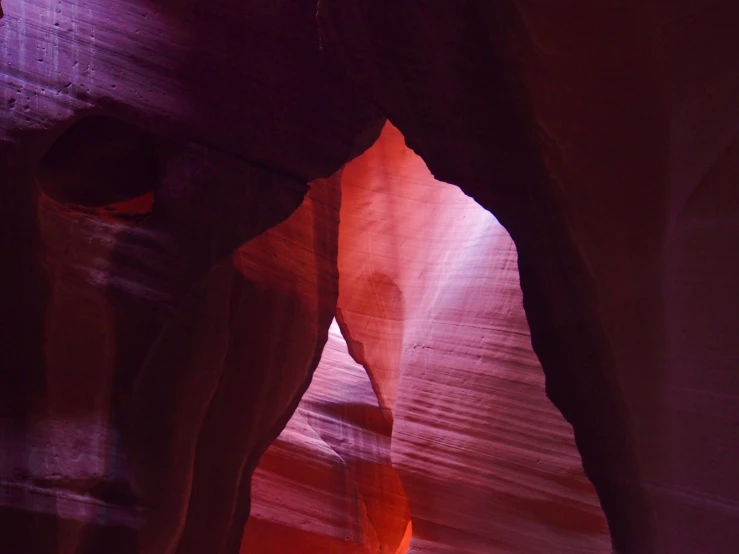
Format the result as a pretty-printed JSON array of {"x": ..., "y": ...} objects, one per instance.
[
  {"x": 100, "y": 162},
  {"x": 163, "y": 311}
]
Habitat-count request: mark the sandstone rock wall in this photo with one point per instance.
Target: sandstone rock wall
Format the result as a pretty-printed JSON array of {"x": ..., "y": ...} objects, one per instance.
[{"x": 171, "y": 233}]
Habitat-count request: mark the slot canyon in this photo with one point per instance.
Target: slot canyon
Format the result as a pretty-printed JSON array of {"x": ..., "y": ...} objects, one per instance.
[{"x": 369, "y": 277}]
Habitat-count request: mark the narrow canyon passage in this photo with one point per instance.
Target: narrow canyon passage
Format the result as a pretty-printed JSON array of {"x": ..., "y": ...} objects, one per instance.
[
  {"x": 194, "y": 203},
  {"x": 431, "y": 303},
  {"x": 327, "y": 483}
]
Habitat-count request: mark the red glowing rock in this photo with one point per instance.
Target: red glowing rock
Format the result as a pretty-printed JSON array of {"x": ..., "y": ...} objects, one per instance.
[
  {"x": 429, "y": 297},
  {"x": 169, "y": 277},
  {"x": 328, "y": 483},
  {"x": 603, "y": 137},
  {"x": 487, "y": 462}
]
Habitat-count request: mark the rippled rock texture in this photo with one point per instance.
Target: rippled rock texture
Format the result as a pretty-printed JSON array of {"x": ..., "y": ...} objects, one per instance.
[
  {"x": 191, "y": 192},
  {"x": 448, "y": 416}
]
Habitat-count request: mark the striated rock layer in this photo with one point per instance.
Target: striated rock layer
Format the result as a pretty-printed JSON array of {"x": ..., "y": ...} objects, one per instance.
[
  {"x": 603, "y": 137},
  {"x": 423, "y": 268},
  {"x": 151, "y": 352},
  {"x": 169, "y": 275},
  {"x": 431, "y": 305},
  {"x": 328, "y": 484}
]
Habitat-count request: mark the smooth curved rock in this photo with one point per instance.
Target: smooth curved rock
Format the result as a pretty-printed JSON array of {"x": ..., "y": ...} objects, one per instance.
[
  {"x": 328, "y": 484},
  {"x": 123, "y": 316},
  {"x": 601, "y": 136},
  {"x": 586, "y": 129},
  {"x": 488, "y": 463}
]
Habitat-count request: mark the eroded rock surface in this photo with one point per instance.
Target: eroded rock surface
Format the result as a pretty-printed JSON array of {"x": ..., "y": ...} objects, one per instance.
[
  {"x": 158, "y": 334},
  {"x": 132, "y": 333},
  {"x": 328, "y": 483},
  {"x": 593, "y": 133},
  {"x": 488, "y": 463},
  {"x": 464, "y": 435}
]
